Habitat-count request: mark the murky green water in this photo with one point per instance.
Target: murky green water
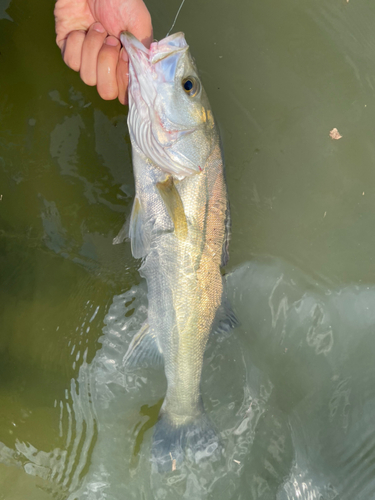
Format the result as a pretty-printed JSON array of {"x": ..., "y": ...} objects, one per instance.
[{"x": 291, "y": 391}]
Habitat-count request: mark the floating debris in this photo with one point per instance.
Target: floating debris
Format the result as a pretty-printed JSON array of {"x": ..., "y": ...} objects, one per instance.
[
  {"x": 335, "y": 134},
  {"x": 173, "y": 462}
]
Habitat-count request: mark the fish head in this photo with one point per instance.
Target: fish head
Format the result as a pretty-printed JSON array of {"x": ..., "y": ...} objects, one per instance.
[{"x": 170, "y": 118}]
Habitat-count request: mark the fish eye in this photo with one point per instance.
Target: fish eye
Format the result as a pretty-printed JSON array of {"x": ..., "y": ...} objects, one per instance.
[{"x": 190, "y": 86}]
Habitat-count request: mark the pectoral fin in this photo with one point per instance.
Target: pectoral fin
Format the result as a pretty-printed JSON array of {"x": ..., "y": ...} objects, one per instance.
[
  {"x": 139, "y": 231},
  {"x": 122, "y": 235},
  {"x": 143, "y": 350},
  {"x": 173, "y": 202}
]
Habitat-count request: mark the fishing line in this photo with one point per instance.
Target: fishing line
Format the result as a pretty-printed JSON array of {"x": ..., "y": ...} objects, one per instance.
[{"x": 175, "y": 19}]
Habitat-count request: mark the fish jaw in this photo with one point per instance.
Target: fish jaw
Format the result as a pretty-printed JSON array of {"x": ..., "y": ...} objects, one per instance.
[
  {"x": 142, "y": 94},
  {"x": 165, "y": 124}
]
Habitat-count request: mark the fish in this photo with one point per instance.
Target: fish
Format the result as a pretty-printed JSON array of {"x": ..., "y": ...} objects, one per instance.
[{"x": 180, "y": 228}]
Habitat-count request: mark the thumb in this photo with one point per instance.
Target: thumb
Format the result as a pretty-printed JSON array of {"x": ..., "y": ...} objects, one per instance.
[{"x": 140, "y": 24}]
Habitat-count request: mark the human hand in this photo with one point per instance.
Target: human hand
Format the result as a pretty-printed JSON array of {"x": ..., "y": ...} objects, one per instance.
[{"x": 88, "y": 33}]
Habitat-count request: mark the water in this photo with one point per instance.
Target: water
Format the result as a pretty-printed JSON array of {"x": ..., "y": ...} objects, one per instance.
[{"x": 291, "y": 390}]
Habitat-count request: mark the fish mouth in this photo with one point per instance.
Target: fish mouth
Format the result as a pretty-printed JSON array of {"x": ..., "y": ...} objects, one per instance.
[
  {"x": 158, "y": 50},
  {"x": 150, "y": 129},
  {"x": 131, "y": 43},
  {"x": 137, "y": 52}
]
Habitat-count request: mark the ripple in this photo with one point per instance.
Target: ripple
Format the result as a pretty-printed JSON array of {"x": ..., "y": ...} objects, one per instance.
[{"x": 295, "y": 418}]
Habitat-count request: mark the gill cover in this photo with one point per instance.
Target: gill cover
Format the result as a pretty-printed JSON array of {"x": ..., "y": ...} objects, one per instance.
[{"x": 169, "y": 115}]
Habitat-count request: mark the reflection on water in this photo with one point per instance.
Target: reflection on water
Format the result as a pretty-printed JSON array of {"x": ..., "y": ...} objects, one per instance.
[
  {"x": 307, "y": 337},
  {"x": 291, "y": 390},
  {"x": 119, "y": 463},
  {"x": 293, "y": 417}
]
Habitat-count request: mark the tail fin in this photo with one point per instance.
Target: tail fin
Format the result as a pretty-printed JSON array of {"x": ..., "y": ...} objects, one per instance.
[{"x": 196, "y": 440}]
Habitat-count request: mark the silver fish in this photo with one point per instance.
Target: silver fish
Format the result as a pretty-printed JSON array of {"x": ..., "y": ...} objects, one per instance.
[{"x": 179, "y": 226}]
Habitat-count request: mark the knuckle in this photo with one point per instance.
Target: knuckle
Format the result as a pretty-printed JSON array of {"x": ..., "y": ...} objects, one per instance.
[
  {"x": 93, "y": 38},
  {"x": 97, "y": 29}
]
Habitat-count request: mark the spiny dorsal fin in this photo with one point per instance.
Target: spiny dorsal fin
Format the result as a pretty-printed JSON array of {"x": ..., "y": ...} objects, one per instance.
[
  {"x": 173, "y": 202},
  {"x": 228, "y": 223}
]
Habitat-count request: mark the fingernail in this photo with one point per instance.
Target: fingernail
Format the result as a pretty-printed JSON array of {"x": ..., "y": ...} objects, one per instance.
[
  {"x": 112, "y": 41},
  {"x": 124, "y": 55},
  {"x": 98, "y": 27}
]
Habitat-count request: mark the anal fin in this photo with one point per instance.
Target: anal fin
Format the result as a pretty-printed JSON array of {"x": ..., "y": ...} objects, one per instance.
[
  {"x": 122, "y": 235},
  {"x": 143, "y": 350}
]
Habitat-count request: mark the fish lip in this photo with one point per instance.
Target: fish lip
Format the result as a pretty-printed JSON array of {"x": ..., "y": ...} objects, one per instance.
[
  {"x": 159, "y": 57},
  {"x": 168, "y": 46},
  {"x": 175, "y": 36},
  {"x": 131, "y": 44}
]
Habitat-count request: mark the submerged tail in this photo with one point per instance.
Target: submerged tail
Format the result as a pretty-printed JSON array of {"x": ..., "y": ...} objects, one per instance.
[{"x": 171, "y": 443}]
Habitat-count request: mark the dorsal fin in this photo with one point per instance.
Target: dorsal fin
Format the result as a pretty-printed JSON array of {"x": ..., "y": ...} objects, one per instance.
[{"x": 228, "y": 224}]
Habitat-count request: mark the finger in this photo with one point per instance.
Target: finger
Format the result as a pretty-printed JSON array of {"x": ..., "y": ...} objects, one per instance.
[
  {"x": 73, "y": 49},
  {"x": 107, "y": 64},
  {"x": 123, "y": 76},
  {"x": 140, "y": 23},
  {"x": 90, "y": 50}
]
